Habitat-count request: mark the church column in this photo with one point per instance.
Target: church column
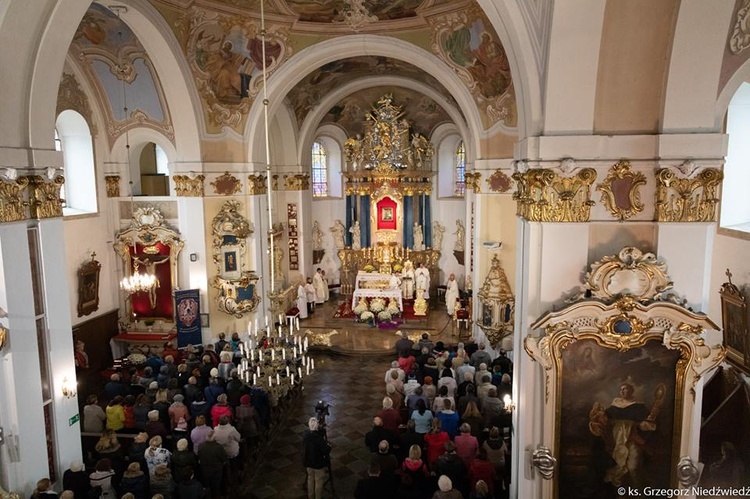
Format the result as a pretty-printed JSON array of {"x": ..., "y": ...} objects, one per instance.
[
  {"x": 351, "y": 203},
  {"x": 408, "y": 222},
  {"x": 364, "y": 221}
]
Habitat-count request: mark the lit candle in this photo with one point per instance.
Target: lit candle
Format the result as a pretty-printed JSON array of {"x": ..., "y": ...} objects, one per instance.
[
  {"x": 312, "y": 361},
  {"x": 295, "y": 352},
  {"x": 266, "y": 321},
  {"x": 257, "y": 369},
  {"x": 304, "y": 360},
  {"x": 299, "y": 371},
  {"x": 273, "y": 354},
  {"x": 287, "y": 371},
  {"x": 292, "y": 379},
  {"x": 308, "y": 370},
  {"x": 269, "y": 382},
  {"x": 255, "y": 380},
  {"x": 278, "y": 379},
  {"x": 283, "y": 353},
  {"x": 306, "y": 345},
  {"x": 249, "y": 328}
]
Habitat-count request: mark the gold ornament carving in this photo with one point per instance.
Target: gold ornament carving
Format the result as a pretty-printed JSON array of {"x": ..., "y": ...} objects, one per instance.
[
  {"x": 113, "y": 185},
  {"x": 545, "y": 196},
  {"x": 298, "y": 182},
  {"x": 12, "y": 204},
  {"x": 498, "y": 304},
  {"x": 620, "y": 191},
  {"x": 683, "y": 199},
  {"x": 44, "y": 196},
  {"x": 256, "y": 184},
  {"x": 473, "y": 181},
  {"x": 226, "y": 185},
  {"x": 185, "y": 186},
  {"x": 498, "y": 181}
]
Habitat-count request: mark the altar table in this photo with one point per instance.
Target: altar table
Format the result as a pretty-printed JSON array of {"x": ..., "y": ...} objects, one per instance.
[{"x": 379, "y": 293}]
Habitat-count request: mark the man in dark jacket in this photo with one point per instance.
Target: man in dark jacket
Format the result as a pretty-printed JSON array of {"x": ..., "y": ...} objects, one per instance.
[
  {"x": 452, "y": 466},
  {"x": 378, "y": 433},
  {"x": 212, "y": 457},
  {"x": 316, "y": 459},
  {"x": 190, "y": 489}
]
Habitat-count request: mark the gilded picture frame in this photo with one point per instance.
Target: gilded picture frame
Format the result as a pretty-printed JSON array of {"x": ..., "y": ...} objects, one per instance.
[
  {"x": 734, "y": 322},
  {"x": 620, "y": 191},
  {"x": 88, "y": 286}
]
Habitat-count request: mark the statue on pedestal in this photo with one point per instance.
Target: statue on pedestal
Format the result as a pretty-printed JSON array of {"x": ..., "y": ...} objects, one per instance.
[
  {"x": 459, "y": 236},
  {"x": 418, "y": 237},
  {"x": 317, "y": 235},
  {"x": 338, "y": 234},
  {"x": 355, "y": 231},
  {"x": 438, "y": 230}
]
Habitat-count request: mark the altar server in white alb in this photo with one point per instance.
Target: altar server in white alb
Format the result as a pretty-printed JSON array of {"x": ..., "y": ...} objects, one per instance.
[
  {"x": 302, "y": 298},
  {"x": 451, "y": 294},
  {"x": 311, "y": 298},
  {"x": 320, "y": 287}
]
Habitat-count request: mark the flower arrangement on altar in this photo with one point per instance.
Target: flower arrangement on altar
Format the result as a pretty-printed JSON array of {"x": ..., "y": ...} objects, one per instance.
[
  {"x": 377, "y": 305},
  {"x": 366, "y": 317},
  {"x": 136, "y": 359},
  {"x": 384, "y": 316},
  {"x": 393, "y": 307},
  {"x": 361, "y": 306},
  {"x": 368, "y": 268}
]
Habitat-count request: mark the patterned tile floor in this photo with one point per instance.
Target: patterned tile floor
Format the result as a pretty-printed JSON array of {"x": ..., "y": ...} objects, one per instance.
[{"x": 344, "y": 376}]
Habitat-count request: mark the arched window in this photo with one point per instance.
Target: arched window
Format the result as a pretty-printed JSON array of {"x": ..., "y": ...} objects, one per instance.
[
  {"x": 319, "y": 170},
  {"x": 75, "y": 142},
  {"x": 735, "y": 204},
  {"x": 459, "y": 176}
]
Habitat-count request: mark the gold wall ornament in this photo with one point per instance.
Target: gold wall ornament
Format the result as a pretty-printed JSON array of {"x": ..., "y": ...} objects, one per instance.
[
  {"x": 256, "y": 184},
  {"x": 185, "y": 186},
  {"x": 226, "y": 185},
  {"x": 543, "y": 195},
  {"x": 3, "y": 337},
  {"x": 44, "y": 195},
  {"x": 297, "y": 182},
  {"x": 473, "y": 181},
  {"x": 631, "y": 272},
  {"x": 498, "y": 182},
  {"x": 684, "y": 199},
  {"x": 620, "y": 191},
  {"x": 113, "y": 185},
  {"x": 12, "y": 204},
  {"x": 497, "y": 304}
]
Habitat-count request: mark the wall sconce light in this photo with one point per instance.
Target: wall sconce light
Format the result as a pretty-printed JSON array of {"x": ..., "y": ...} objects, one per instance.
[
  {"x": 68, "y": 390},
  {"x": 509, "y": 404}
]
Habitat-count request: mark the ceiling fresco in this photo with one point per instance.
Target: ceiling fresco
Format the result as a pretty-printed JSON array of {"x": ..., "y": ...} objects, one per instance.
[
  {"x": 329, "y": 11},
  {"x": 315, "y": 86},
  {"x": 116, "y": 63},
  {"x": 422, "y": 113}
]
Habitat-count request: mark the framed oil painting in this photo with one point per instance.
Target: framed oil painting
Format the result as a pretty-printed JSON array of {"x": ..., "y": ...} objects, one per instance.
[
  {"x": 230, "y": 262},
  {"x": 387, "y": 214},
  {"x": 88, "y": 287},
  {"x": 735, "y": 323},
  {"x": 617, "y": 418}
]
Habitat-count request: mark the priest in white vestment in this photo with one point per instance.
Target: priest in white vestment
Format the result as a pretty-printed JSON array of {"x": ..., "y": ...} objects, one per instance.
[
  {"x": 320, "y": 287},
  {"x": 301, "y": 299},
  {"x": 451, "y": 294},
  {"x": 422, "y": 277}
]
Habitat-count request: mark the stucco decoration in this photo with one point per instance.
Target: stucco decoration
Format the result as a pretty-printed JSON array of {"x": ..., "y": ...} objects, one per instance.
[
  {"x": 740, "y": 38},
  {"x": 687, "y": 198},
  {"x": 70, "y": 96},
  {"x": 116, "y": 62},
  {"x": 225, "y": 56},
  {"x": 466, "y": 41}
]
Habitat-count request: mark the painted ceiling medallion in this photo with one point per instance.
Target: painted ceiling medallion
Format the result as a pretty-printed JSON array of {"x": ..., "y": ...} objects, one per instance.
[{"x": 226, "y": 185}]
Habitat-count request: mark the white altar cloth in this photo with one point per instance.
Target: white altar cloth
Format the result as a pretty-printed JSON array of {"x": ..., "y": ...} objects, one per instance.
[{"x": 382, "y": 293}]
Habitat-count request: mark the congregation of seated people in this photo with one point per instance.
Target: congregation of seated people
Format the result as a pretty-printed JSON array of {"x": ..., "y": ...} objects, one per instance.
[
  {"x": 443, "y": 431},
  {"x": 179, "y": 427}
]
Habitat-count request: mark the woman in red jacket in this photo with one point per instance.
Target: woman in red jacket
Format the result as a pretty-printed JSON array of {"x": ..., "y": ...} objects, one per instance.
[
  {"x": 435, "y": 443},
  {"x": 221, "y": 408}
]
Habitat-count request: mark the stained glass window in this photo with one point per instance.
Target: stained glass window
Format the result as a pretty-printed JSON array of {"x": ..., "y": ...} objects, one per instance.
[
  {"x": 460, "y": 170},
  {"x": 319, "y": 170}
]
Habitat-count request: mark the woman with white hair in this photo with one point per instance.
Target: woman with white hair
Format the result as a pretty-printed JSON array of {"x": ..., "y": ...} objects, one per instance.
[
  {"x": 391, "y": 417},
  {"x": 446, "y": 489}
]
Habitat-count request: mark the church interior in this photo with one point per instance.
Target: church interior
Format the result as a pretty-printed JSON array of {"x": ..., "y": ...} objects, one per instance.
[{"x": 562, "y": 182}]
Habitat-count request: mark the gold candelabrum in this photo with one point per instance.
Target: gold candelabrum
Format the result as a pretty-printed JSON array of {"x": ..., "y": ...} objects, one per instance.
[{"x": 275, "y": 361}]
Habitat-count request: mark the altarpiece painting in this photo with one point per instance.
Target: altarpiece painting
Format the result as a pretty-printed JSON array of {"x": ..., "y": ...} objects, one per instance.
[{"x": 621, "y": 364}]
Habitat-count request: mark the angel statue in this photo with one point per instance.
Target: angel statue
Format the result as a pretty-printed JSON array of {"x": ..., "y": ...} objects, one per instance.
[
  {"x": 317, "y": 235},
  {"x": 459, "y": 236}
]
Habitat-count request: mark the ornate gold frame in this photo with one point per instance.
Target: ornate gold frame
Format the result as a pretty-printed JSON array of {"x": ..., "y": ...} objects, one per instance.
[
  {"x": 229, "y": 222},
  {"x": 544, "y": 196},
  {"x": 621, "y": 178},
  {"x": 147, "y": 227},
  {"x": 622, "y": 322},
  {"x": 496, "y": 294},
  {"x": 685, "y": 199},
  {"x": 386, "y": 235},
  {"x": 187, "y": 186}
]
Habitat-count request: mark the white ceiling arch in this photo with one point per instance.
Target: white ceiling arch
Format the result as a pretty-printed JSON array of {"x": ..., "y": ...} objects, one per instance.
[
  {"x": 309, "y": 127},
  {"x": 315, "y": 56}
]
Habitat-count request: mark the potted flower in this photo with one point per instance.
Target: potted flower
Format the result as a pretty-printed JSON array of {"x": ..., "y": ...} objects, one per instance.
[
  {"x": 367, "y": 317},
  {"x": 377, "y": 305},
  {"x": 368, "y": 268},
  {"x": 384, "y": 316},
  {"x": 393, "y": 307}
]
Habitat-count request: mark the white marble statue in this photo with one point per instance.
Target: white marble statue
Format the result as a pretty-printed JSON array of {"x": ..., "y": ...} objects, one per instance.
[
  {"x": 338, "y": 234},
  {"x": 418, "y": 237},
  {"x": 354, "y": 229},
  {"x": 317, "y": 235},
  {"x": 438, "y": 230}
]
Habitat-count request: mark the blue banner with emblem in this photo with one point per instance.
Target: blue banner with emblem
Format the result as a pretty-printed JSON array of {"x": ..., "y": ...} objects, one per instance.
[{"x": 188, "y": 316}]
